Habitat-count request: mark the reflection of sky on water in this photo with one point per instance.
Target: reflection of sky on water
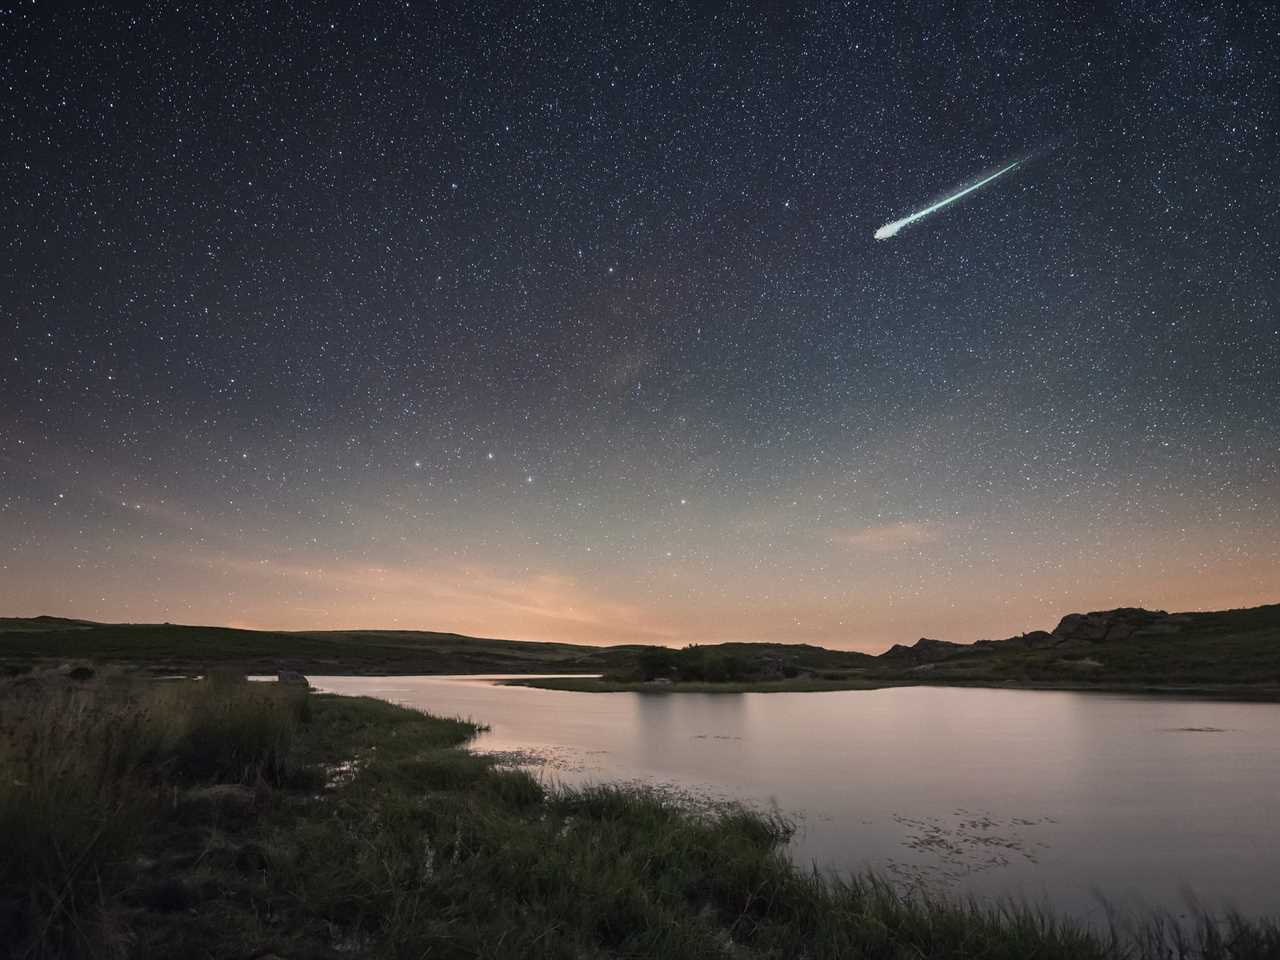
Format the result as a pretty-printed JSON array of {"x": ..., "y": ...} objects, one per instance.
[{"x": 1036, "y": 794}]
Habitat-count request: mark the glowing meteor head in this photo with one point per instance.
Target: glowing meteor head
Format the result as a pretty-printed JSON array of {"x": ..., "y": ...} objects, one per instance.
[{"x": 889, "y": 230}]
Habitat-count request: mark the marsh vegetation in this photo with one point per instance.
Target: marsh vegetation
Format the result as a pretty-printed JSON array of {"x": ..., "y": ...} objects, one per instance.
[{"x": 220, "y": 818}]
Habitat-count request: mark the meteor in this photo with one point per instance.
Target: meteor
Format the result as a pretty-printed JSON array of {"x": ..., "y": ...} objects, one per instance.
[{"x": 891, "y": 229}]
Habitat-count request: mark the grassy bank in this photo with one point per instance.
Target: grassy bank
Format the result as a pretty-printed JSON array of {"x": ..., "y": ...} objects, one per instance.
[{"x": 221, "y": 819}]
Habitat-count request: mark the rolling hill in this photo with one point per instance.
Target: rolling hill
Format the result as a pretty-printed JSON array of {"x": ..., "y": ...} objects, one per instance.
[{"x": 1231, "y": 651}]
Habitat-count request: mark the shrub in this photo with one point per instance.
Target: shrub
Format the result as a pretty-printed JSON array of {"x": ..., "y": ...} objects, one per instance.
[{"x": 654, "y": 662}]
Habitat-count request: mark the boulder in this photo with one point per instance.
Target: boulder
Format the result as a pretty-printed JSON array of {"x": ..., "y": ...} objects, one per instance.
[{"x": 1081, "y": 626}]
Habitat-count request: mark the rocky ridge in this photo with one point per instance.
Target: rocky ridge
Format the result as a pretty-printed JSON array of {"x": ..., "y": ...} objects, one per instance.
[{"x": 1099, "y": 626}]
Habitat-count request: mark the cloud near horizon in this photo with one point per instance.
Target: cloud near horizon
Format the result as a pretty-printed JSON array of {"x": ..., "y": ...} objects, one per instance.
[
  {"x": 476, "y": 600},
  {"x": 889, "y": 537}
]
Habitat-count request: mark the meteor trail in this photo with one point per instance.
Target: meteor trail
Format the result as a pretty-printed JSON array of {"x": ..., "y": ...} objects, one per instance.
[{"x": 891, "y": 229}]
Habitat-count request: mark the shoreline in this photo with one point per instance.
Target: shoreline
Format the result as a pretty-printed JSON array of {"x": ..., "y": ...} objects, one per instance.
[
  {"x": 545, "y": 677},
  {"x": 1239, "y": 693},
  {"x": 574, "y": 682}
]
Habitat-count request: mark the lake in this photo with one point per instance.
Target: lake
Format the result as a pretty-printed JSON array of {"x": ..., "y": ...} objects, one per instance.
[{"x": 1047, "y": 796}]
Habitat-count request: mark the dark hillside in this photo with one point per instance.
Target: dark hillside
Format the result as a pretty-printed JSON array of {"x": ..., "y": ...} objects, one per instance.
[
  {"x": 1236, "y": 652},
  {"x": 1128, "y": 646},
  {"x": 172, "y": 648}
]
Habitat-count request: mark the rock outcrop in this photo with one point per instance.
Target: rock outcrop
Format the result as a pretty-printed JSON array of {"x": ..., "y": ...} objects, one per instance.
[
  {"x": 1075, "y": 629},
  {"x": 1034, "y": 640},
  {"x": 926, "y": 650},
  {"x": 1108, "y": 626}
]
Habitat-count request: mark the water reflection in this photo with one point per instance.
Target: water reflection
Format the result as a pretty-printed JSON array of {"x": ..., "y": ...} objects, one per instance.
[{"x": 1043, "y": 795}]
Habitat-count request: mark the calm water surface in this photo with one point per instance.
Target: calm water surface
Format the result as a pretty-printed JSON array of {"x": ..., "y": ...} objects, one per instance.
[{"x": 1052, "y": 797}]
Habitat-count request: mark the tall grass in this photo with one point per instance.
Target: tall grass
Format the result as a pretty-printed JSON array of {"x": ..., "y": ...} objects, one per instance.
[
  {"x": 229, "y": 730},
  {"x": 440, "y": 852},
  {"x": 427, "y": 850},
  {"x": 84, "y": 770}
]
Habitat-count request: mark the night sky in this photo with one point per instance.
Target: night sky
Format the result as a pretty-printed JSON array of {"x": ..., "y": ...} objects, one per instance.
[{"x": 567, "y": 321}]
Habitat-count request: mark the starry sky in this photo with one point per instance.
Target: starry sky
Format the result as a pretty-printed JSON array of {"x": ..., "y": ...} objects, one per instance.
[{"x": 566, "y": 322}]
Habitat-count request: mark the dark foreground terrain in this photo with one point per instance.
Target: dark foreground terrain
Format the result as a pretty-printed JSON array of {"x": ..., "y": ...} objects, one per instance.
[
  {"x": 1231, "y": 653},
  {"x": 217, "y": 818}
]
